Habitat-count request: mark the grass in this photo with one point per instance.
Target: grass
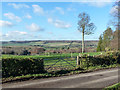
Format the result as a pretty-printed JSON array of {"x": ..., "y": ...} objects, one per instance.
[
  {"x": 113, "y": 87},
  {"x": 66, "y": 69},
  {"x": 68, "y": 63},
  {"x": 56, "y": 44},
  {"x": 52, "y": 59},
  {"x": 56, "y": 73},
  {"x": 54, "y": 55}
]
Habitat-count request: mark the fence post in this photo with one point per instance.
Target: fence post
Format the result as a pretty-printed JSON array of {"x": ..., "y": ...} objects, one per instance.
[
  {"x": 88, "y": 61},
  {"x": 71, "y": 55},
  {"x": 80, "y": 63},
  {"x": 48, "y": 54},
  {"x": 77, "y": 60}
]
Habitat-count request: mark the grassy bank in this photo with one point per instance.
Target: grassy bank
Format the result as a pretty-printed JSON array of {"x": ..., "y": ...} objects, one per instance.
[
  {"x": 107, "y": 60},
  {"x": 113, "y": 87},
  {"x": 55, "y": 74}
]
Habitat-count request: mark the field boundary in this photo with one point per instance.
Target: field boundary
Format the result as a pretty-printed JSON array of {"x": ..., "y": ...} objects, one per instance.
[{"x": 48, "y": 75}]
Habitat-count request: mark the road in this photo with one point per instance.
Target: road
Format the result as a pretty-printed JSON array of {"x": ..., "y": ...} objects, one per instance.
[{"x": 97, "y": 79}]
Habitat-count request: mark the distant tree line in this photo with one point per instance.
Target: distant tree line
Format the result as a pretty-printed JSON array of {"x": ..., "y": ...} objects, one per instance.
[{"x": 22, "y": 50}]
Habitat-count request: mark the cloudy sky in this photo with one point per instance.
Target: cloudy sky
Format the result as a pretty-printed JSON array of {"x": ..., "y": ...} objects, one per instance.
[{"x": 52, "y": 20}]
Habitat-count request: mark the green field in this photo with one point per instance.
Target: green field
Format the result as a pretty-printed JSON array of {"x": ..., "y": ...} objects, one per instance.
[
  {"x": 54, "y": 55},
  {"x": 61, "y": 61},
  {"x": 64, "y": 64},
  {"x": 51, "y": 45}
]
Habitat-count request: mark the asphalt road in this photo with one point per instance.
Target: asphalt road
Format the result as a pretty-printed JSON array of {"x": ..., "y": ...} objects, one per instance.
[{"x": 97, "y": 79}]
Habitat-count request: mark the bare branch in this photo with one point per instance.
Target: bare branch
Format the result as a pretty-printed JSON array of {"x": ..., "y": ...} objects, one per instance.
[
  {"x": 90, "y": 29},
  {"x": 84, "y": 25}
]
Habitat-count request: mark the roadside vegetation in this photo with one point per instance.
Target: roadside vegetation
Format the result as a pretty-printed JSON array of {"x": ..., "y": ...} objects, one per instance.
[
  {"x": 13, "y": 64},
  {"x": 113, "y": 87},
  {"x": 54, "y": 74}
]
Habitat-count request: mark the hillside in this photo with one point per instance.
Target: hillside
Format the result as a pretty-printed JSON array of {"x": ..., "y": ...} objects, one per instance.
[{"x": 51, "y": 43}]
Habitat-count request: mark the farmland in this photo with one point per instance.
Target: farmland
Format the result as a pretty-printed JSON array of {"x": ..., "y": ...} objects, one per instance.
[
  {"x": 53, "y": 55},
  {"x": 51, "y": 44},
  {"x": 53, "y": 58},
  {"x": 64, "y": 64},
  {"x": 46, "y": 47},
  {"x": 61, "y": 61}
]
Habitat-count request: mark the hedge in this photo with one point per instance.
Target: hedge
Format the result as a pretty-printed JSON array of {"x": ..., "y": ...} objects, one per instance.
[
  {"x": 108, "y": 58},
  {"x": 16, "y": 66}
]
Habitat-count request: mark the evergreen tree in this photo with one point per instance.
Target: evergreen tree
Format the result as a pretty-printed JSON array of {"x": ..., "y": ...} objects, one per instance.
[
  {"x": 99, "y": 47},
  {"x": 107, "y": 37},
  {"x": 105, "y": 40}
]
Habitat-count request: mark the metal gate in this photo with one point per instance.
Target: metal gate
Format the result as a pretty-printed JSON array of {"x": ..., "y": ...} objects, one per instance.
[{"x": 60, "y": 63}]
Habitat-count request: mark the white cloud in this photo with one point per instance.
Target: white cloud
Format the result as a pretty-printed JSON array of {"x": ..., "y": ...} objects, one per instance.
[
  {"x": 60, "y": 10},
  {"x": 28, "y": 16},
  {"x": 18, "y": 36},
  {"x": 114, "y": 10},
  {"x": 69, "y": 9},
  {"x": 37, "y": 9},
  {"x": 117, "y": 0},
  {"x": 50, "y": 33},
  {"x": 11, "y": 16},
  {"x": 18, "y": 6},
  {"x": 22, "y": 33},
  {"x": 50, "y": 20},
  {"x": 14, "y": 35},
  {"x": 57, "y": 9},
  {"x": 5, "y": 23},
  {"x": 59, "y": 23},
  {"x": 34, "y": 27},
  {"x": 97, "y": 3}
]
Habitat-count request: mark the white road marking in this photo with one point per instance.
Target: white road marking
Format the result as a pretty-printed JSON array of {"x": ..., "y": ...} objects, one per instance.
[
  {"x": 18, "y": 85},
  {"x": 90, "y": 82}
]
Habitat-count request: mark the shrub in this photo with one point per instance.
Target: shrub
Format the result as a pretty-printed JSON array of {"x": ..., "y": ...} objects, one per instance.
[
  {"x": 15, "y": 66},
  {"x": 109, "y": 58}
]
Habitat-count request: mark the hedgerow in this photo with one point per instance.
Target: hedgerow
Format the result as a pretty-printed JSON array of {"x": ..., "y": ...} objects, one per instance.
[
  {"x": 16, "y": 66},
  {"x": 107, "y": 59},
  {"x": 23, "y": 65}
]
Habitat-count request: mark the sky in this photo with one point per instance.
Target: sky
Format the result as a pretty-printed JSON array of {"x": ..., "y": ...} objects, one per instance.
[{"x": 52, "y": 20}]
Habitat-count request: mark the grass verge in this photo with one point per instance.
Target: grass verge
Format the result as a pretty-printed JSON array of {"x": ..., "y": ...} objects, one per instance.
[
  {"x": 55, "y": 74},
  {"x": 113, "y": 87}
]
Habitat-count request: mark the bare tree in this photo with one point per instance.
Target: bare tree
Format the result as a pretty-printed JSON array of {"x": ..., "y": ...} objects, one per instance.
[
  {"x": 116, "y": 22},
  {"x": 115, "y": 13},
  {"x": 115, "y": 42},
  {"x": 85, "y": 26}
]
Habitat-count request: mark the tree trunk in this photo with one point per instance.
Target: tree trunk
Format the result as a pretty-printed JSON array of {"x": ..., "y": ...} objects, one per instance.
[{"x": 83, "y": 42}]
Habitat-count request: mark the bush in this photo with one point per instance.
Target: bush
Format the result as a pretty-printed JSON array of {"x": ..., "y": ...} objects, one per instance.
[
  {"x": 15, "y": 66},
  {"x": 109, "y": 58}
]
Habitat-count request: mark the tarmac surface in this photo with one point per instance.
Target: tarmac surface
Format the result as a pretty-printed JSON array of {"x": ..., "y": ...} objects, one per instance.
[{"x": 97, "y": 79}]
